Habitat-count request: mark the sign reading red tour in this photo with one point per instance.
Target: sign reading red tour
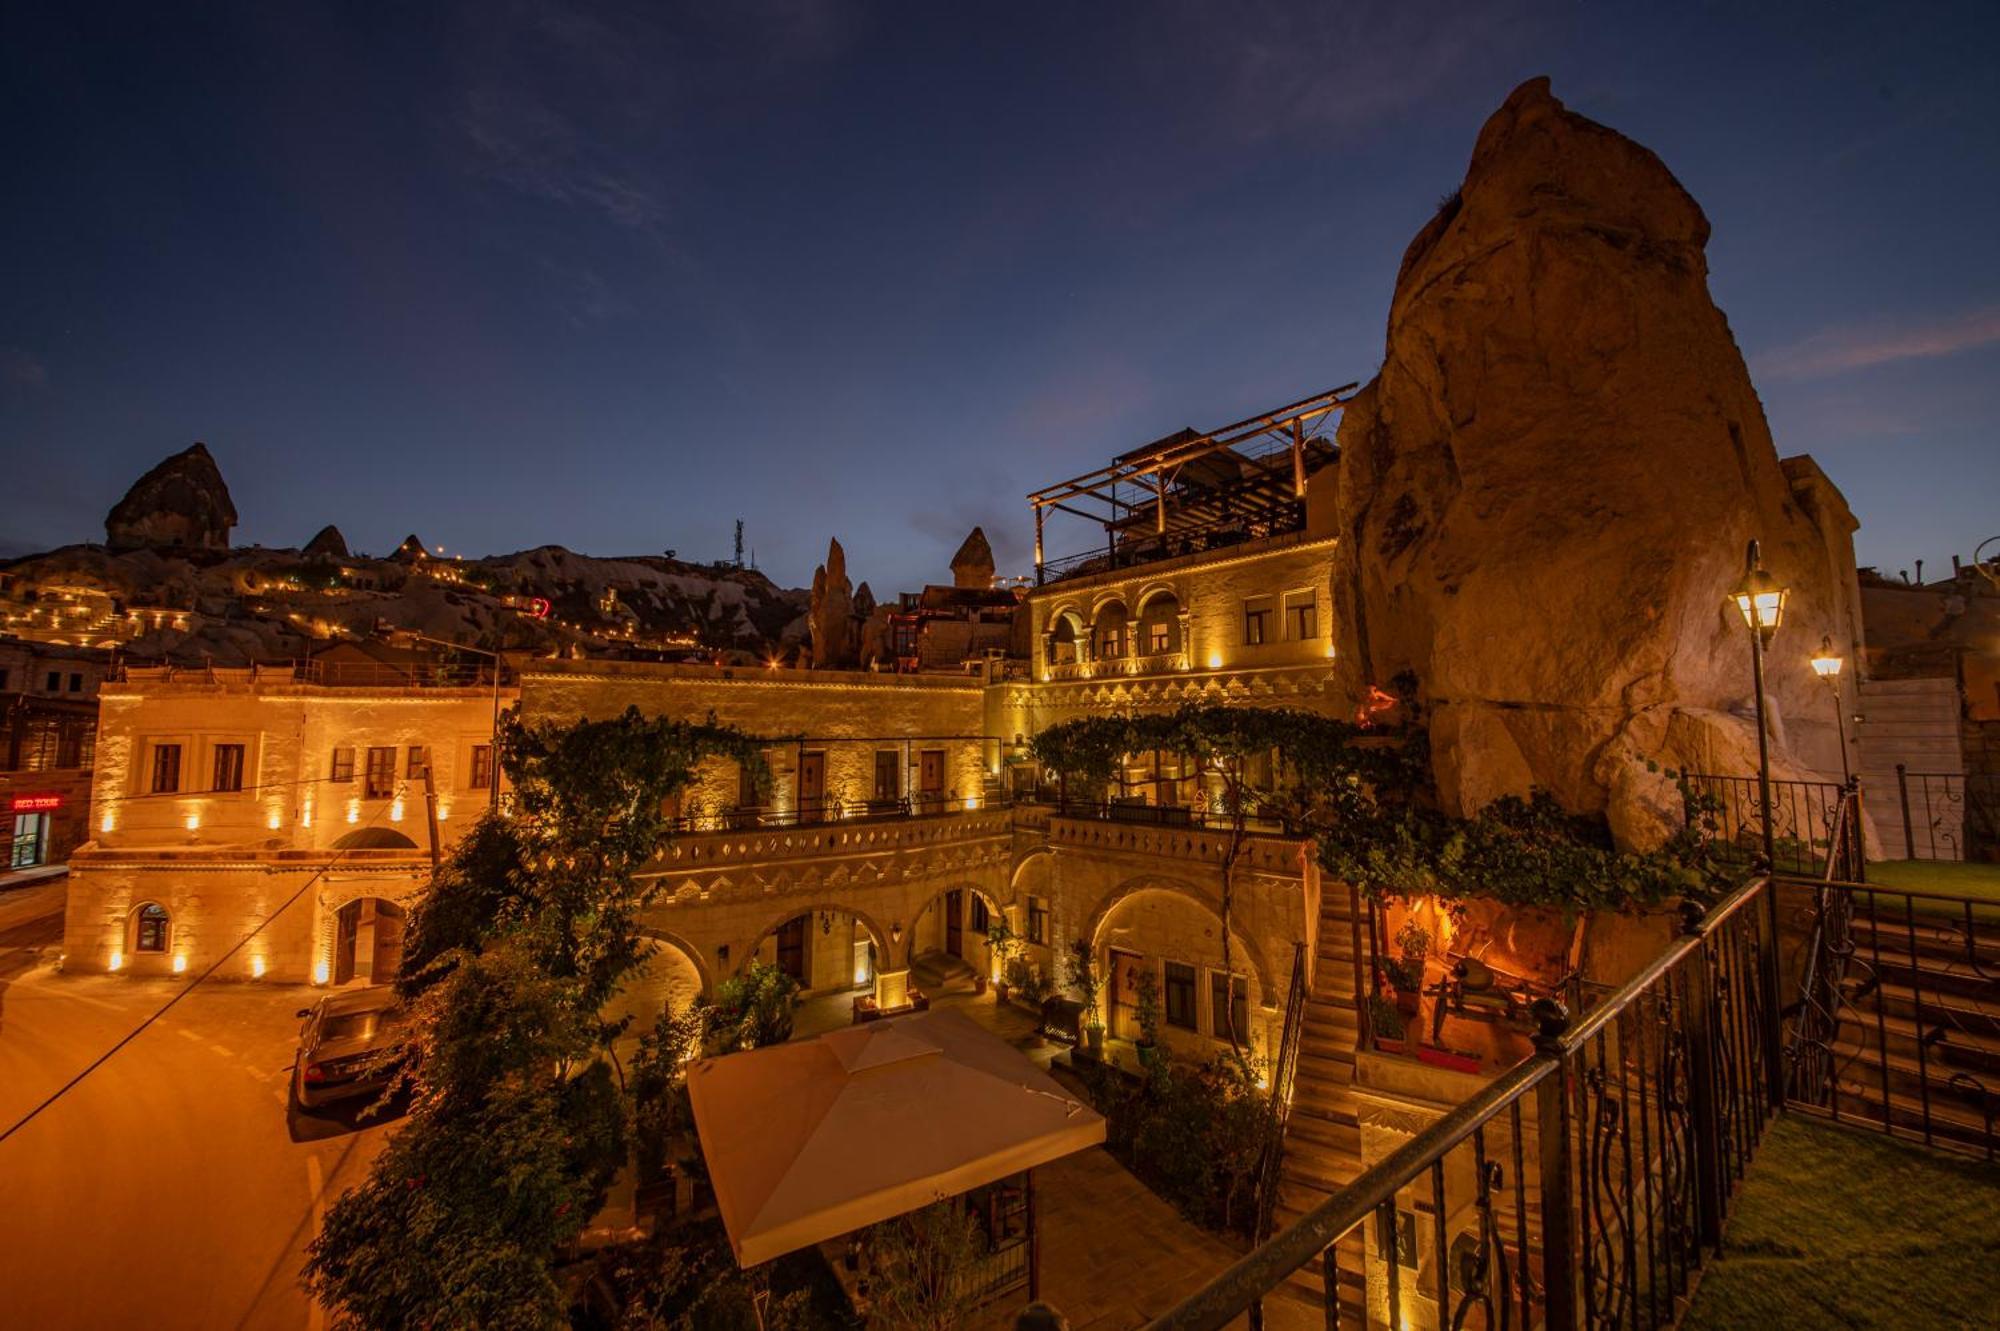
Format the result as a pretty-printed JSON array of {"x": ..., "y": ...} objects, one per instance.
[{"x": 36, "y": 803}]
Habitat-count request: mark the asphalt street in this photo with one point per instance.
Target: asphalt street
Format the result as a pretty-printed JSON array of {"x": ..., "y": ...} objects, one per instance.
[{"x": 175, "y": 1186}]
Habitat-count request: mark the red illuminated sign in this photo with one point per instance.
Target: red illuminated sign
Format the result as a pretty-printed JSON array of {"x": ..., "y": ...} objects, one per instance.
[
  {"x": 537, "y": 607},
  {"x": 36, "y": 803}
]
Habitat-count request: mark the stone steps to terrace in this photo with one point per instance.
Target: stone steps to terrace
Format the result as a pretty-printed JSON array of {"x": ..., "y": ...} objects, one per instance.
[{"x": 1323, "y": 1140}]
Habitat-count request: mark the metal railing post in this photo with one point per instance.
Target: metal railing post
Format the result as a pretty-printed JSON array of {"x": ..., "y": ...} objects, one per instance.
[
  {"x": 1705, "y": 1154},
  {"x": 1909, "y": 828},
  {"x": 1552, "y": 1141}
]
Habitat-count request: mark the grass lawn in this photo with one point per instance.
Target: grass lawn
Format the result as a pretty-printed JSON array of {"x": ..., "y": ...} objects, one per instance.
[
  {"x": 1963, "y": 880},
  {"x": 1841, "y": 1228}
]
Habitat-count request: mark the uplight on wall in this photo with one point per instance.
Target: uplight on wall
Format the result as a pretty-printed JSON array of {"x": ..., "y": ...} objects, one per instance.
[
  {"x": 257, "y": 967},
  {"x": 396, "y": 811},
  {"x": 444, "y": 811},
  {"x": 117, "y": 960},
  {"x": 107, "y": 822},
  {"x": 274, "y": 820},
  {"x": 1215, "y": 660},
  {"x": 353, "y": 811},
  {"x": 180, "y": 963},
  {"x": 194, "y": 822},
  {"x": 321, "y": 972}
]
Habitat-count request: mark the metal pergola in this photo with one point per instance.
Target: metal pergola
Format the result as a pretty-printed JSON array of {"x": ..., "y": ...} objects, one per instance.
[{"x": 1189, "y": 483}]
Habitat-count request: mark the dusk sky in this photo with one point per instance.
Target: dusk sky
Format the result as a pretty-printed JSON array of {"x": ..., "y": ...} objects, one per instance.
[{"x": 612, "y": 276}]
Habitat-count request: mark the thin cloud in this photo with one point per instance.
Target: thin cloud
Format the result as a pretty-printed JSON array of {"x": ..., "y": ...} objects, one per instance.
[{"x": 1859, "y": 347}]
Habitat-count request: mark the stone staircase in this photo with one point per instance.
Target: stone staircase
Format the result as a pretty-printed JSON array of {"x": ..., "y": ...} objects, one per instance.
[
  {"x": 1919, "y": 1038},
  {"x": 939, "y": 973},
  {"x": 1323, "y": 1140}
]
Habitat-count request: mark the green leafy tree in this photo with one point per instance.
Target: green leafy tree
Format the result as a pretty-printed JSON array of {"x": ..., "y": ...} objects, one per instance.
[
  {"x": 922, "y": 1258},
  {"x": 517, "y": 1121}
]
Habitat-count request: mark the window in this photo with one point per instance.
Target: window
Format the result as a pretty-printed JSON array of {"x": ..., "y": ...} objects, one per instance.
[
  {"x": 228, "y": 767},
  {"x": 746, "y": 786},
  {"x": 1158, "y": 636},
  {"x": 1232, "y": 998},
  {"x": 1302, "y": 615},
  {"x": 418, "y": 763},
  {"x": 3, "y": 679},
  {"x": 1256, "y": 622},
  {"x": 480, "y": 774},
  {"x": 1038, "y": 921},
  {"x": 343, "y": 766},
  {"x": 166, "y": 768},
  {"x": 75, "y": 683},
  {"x": 1178, "y": 996},
  {"x": 976, "y": 917},
  {"x": 888, "y": 766},
  {"x": 152, "y": 930},
  {"x": 381, "y": 777},
  {"x": 54, "y": 682}
]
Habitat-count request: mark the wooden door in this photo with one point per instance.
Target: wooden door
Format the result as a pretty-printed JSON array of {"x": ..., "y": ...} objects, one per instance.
[
  {"x": 792, "y": 948},
  {"x": 346, "y": 933},
  {"x": 886, "y": 784},
  {"x": 812, "y": 786},
  {"x": 1126, "y": 967},
  {"x": 954, "y": 922},
  {"x": 930, "y": 775}
]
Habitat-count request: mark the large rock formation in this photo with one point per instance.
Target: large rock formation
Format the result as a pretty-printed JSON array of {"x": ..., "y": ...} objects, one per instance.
[
  {"x": 1546, "y": 492},
  {"x": 181, "y": 503},
  {"x": 972, "y": 566},
  {"x": 328, "y": 544},
  {"x": 832, "y": 612}
]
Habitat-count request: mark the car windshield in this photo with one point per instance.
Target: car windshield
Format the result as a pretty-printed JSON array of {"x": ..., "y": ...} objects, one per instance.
[{"x": 355, "y": 1025}]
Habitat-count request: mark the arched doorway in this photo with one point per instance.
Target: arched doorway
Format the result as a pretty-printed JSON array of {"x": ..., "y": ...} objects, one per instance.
[
  {"x": 952, "y": 926},
  {"x": 367, "y": 941},
  {"x": 1175, "y": 936},
  {"x": 826, "y": 949},
  {"x": 1108, "y": 627},
  {"x": 1066, "y": 639}
]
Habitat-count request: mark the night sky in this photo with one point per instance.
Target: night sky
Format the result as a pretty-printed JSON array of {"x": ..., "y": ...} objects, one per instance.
[{"x": 611, "y": 276}]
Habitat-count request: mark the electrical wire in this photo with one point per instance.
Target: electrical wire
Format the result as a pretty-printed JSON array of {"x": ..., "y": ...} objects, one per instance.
[{"x": 167, "y": 1006}]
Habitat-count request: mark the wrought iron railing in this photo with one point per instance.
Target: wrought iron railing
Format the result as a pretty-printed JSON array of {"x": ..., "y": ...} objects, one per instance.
[
  {"x": 1175, "y": 815},
  {"x": 1897, "y": 1025},
  {"x": 1949, "y": 815},
  {"x": 1284, "y": 1072},
  {"x": 1583, "y": 1187},
  {"x": 747, "y": 818},
  {"x": 1802, "y": 818}
]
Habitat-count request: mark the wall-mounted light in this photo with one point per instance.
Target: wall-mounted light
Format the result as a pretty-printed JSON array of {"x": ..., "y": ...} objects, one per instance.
[
  {"x": 1215, "y": 660},
  {"x": 194, "y": 822},
  {"x": 396, "y": 811},
  {"x": 117, "y": 960},
  {"x": 180, "y": 962},
  {"x": 321, "y": 972},
  {"x": 257, "y": 967}
]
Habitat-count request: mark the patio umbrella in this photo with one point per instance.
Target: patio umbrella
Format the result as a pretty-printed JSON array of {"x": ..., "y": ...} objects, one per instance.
[{"x": 811, "y": 1140}]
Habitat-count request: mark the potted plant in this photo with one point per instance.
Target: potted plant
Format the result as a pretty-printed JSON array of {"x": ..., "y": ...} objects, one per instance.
[
  {"x": 1001, "y": 944},
  {"x": 1405, "y": 971},
  {"x": 1089, "y": 986},
  {"x": 1148, "y": 1010},
  {"x": 1386, "y": 1024}
]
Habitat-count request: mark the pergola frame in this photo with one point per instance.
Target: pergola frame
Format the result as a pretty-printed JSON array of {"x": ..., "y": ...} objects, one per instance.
[{"x": 1154, "y": 471}]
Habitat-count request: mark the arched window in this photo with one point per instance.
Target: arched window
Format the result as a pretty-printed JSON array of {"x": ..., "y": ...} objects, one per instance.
[{"x": 152, "y": 931}]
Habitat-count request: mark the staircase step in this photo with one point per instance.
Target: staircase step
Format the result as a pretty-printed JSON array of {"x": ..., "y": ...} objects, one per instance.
[
  {"x": 1944, "y": 1037},
  {"x": 1947, "y": 1119},
  {"x": 1933, "y": 1070},
  {"x": 1963, "y": 1006},
  {"x": 1324, "y": 1134}
]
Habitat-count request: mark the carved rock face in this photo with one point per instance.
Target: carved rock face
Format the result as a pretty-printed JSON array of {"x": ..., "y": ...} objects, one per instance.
[
  {"x": 1547, "y": 491},
  {"x": 329, "y": 544},
  {"x": 181, "y": 503},
  {"x": 832, "y": 612}
]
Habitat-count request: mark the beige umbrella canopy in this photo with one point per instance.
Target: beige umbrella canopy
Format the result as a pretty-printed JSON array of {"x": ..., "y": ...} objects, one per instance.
[{"x": 815, "y": 1139}]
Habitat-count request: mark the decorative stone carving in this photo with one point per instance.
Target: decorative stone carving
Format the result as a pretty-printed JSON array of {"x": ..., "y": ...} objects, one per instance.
[
  {"x": 181, "y": 503},
  {"x": 1547, "y": 490}
]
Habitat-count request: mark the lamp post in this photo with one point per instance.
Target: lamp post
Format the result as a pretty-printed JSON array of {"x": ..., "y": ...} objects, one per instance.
[
  {"x": 1827, "y": 666},
  {"x": 1761, "y": 600}
]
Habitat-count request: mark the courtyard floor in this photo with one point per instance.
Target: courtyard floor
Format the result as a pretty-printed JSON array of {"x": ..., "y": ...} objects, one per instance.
[{"x": 1840, "y": 1228}]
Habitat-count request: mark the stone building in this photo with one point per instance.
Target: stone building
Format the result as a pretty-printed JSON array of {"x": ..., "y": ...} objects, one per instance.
[
  {"x": 225, "y": 800},
  {"x": 48, "y": 730}
]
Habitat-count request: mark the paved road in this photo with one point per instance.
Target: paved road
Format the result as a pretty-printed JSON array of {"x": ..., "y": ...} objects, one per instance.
[{"x": 174, "y": 1187}]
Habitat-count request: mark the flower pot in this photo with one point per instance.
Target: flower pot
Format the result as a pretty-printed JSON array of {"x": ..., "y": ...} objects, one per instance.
[
  {"x": 1385, "y": 1045},
  {"x": 1445, "y": 1058},
  {"x": 1093, "y": 1038},
  {"x": 1001, "y": 989},
  {"x": 1409, "y": 1002}
]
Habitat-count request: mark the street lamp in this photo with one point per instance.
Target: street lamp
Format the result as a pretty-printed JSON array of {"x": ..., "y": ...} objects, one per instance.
[
  {"x": 1761, "y": 601},
  {"x": 1827, "y": 666}
]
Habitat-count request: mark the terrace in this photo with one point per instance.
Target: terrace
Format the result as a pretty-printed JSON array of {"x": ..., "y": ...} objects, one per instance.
[{"x": 1193, "y": 492}]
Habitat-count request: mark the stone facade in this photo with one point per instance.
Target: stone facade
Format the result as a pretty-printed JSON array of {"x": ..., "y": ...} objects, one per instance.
[{"x": 228, "y": 798}]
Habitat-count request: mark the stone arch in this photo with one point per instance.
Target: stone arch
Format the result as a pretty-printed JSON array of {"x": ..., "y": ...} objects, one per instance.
[
  {"x": 1153, "y": 590},
  {"x": 374, "y": 838},
  {"x": 1066, "y": 629},
  {"x": 1109, "y": 621},
  {"x": 1039, "y": 856},
  {"x": 876, "y": 933},
  {"x": 681, "y": 945},
  {"x": 1254, "y": 960},
  {"x": 993, "y": 904},
  {"x": 1159, "y": 605}
]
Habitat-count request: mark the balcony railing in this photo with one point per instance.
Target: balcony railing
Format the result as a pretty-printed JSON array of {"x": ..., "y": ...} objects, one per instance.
[
  {"x": 1802, "y": 818},
  {"x": 746, "y": 818},
  {"x": 1948, "y": 815},
  {"x": 1584, "y": 1186},
  {"x": 333, "y": 674},
  {"x": 1175, "y": 815}
]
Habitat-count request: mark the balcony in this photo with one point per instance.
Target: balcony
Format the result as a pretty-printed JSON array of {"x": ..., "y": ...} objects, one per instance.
[{"x": 750, "y": 836}]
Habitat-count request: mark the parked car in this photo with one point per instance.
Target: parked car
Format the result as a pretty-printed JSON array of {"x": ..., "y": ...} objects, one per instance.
[{"x": 352, "y": 1043}]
